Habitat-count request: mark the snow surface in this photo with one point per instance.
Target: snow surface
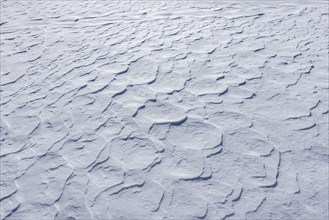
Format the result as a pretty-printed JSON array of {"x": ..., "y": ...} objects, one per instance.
[{"x": 164, "y": 109}]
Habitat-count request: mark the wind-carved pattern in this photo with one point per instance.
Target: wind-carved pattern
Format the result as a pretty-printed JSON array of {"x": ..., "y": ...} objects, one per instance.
[{"x": 164, "y": 110}]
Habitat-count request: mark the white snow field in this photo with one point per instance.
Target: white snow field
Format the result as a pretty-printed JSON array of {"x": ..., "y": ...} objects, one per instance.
[{"x": 164, "y": 109}]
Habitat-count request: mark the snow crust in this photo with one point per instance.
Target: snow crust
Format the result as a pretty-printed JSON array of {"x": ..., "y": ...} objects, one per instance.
[{"x": 164, "y": 109}]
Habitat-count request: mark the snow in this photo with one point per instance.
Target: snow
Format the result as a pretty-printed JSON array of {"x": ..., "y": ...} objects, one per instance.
[{"x": 164, "y": 109}]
